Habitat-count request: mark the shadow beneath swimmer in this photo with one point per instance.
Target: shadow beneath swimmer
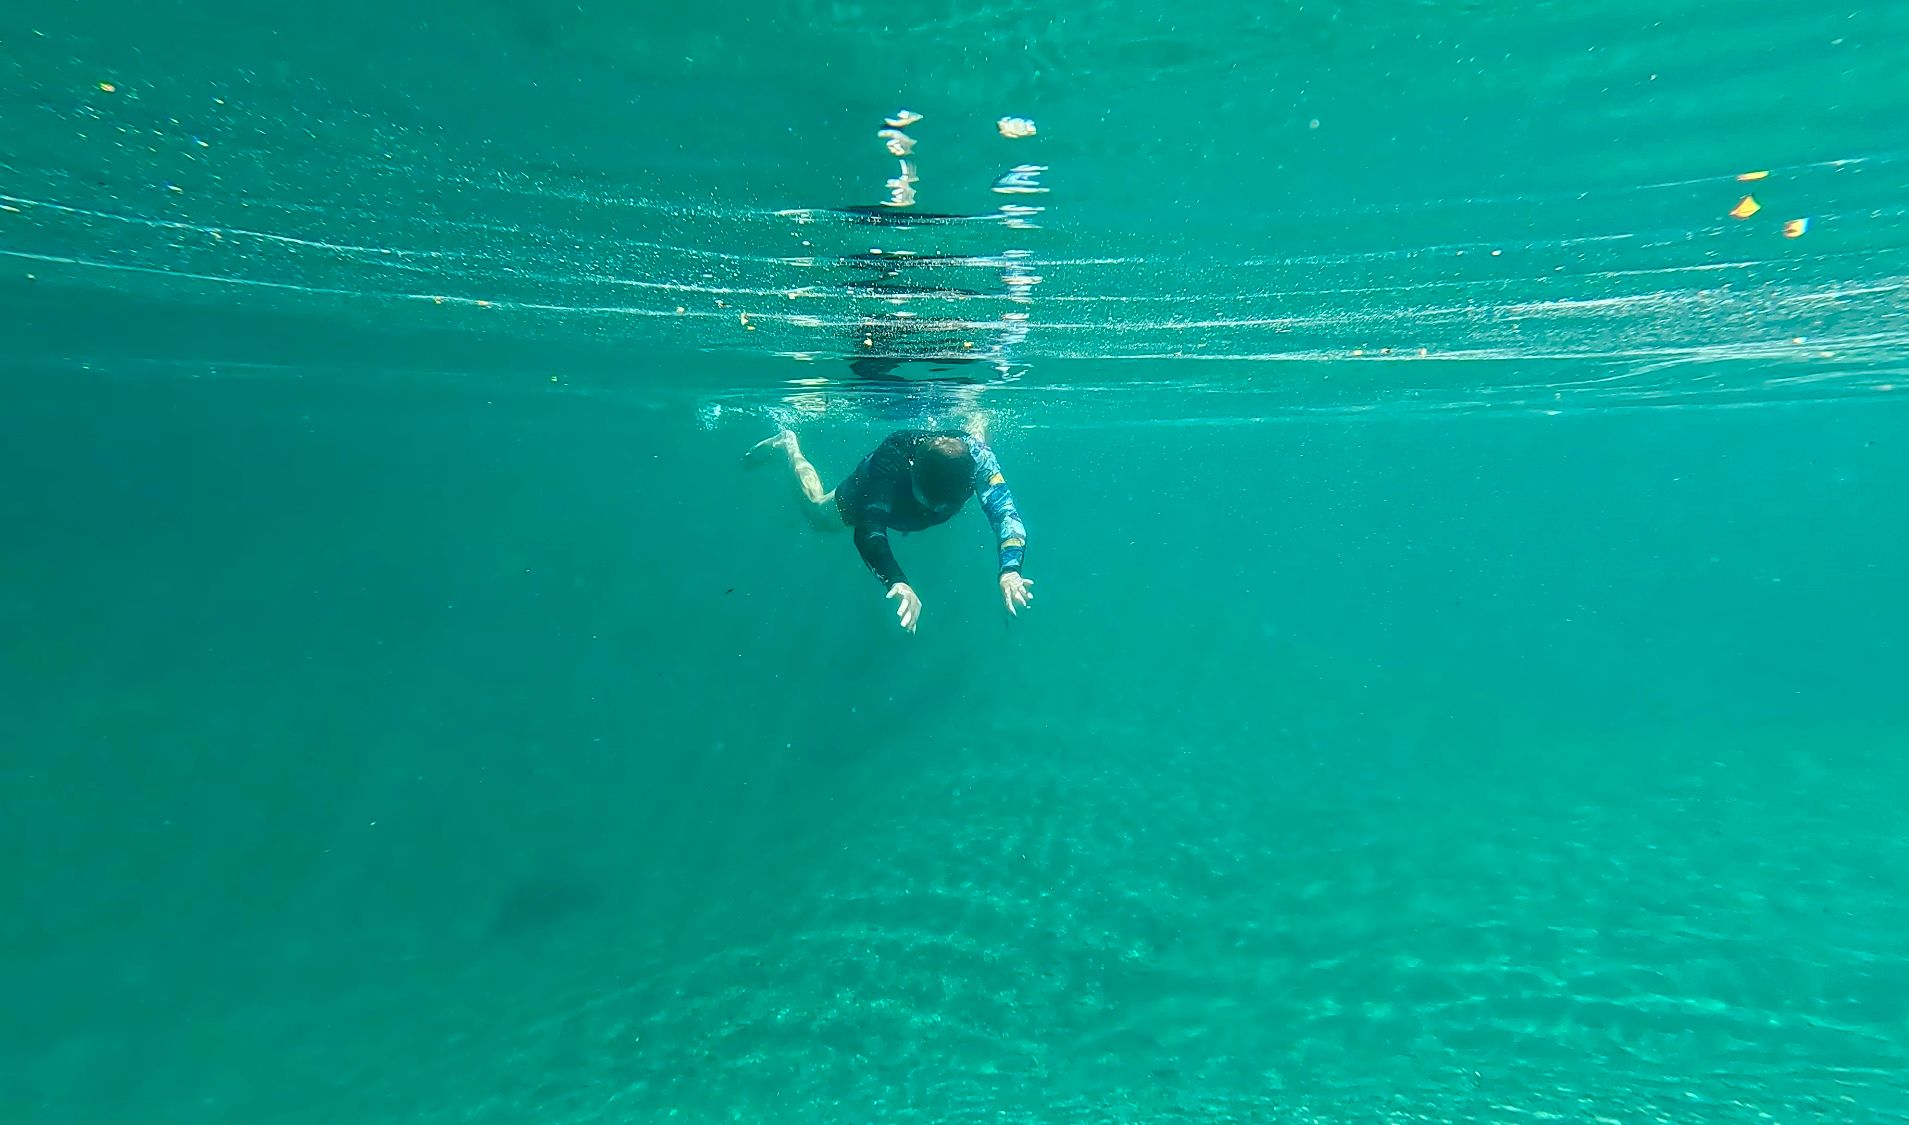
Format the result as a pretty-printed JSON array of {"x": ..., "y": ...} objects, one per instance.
[{"x": 538, "y": 903}]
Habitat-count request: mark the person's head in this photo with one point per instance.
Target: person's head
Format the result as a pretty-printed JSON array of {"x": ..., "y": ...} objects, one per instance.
[{"x": 943, "y": 471}]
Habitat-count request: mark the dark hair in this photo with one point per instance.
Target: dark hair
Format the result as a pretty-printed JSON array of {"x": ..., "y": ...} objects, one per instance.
[{"x": 944, "y": 470}]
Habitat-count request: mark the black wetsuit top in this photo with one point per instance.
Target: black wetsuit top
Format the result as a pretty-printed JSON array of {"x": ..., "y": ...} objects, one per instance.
[{"x": 879, "y": 496}]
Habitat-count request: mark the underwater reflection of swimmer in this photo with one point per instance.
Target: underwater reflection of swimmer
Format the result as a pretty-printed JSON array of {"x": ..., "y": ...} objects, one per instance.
[
  {"x": 914, "y": 480},
  {"x": 930, "y": 349},
  {"x": 884, "y": 287},
  {"x": 888, "y": 368},
  {"x": 880, "y": 275},
  {"x": 881, "y": 215},
  {"x": 897, "y": 345}
]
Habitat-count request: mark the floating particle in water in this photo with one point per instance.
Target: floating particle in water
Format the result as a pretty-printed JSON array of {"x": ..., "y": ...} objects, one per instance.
[
  {"x": 1497, "y": 253},
  {"x": 680, "y": 310},
  {"x": 903, "y": 119},
  {"x": 1746, "y": 207},
  {"x": 1748, "y": 177},
  {"x": 899, "y": 143},
  {"x": 1014, "y": 128},
  {"x": 1313, "y": 124},
  {"x": 108, "y": 88},
  {"x": 1796, "y": 228}
]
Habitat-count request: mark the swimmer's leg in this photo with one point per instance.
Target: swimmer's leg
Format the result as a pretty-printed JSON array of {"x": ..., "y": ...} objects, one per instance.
[
  {"x": 974, "y": 417},
  {"x": 818, "y": 504}
]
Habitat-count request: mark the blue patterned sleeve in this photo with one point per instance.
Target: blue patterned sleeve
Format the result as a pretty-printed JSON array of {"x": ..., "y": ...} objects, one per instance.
[{"x": 998, "y": 502}]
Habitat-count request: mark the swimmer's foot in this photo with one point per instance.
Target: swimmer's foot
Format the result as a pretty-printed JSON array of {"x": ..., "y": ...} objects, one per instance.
[{"x": 765, "y": 450}]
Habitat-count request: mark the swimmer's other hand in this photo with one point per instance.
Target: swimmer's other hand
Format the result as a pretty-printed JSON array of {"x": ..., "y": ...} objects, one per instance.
[
  {"x": 1016, "y": 592},
  {"x": 909, "y": 611}
]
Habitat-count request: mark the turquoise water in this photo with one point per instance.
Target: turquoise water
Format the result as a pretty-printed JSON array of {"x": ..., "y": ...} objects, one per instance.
[{"x": 1467, "y": 680}]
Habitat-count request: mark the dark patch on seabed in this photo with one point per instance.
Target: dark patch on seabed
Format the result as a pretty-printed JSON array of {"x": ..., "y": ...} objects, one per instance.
[{"x": 538, "y": 902}]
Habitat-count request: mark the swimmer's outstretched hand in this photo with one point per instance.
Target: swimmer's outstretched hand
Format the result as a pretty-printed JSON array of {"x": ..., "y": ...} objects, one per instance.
[
  {"x": 909, "y": 611},
  {"x": 1016, "y": 592}
]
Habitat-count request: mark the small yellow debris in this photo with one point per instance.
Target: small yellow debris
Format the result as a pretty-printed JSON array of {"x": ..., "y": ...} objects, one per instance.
[
  {"x": 902, "y": 119},
  {"x": 437, "y": 300},
  {"x": 1746, "y": 207},
  {"x": 868, "y": 341},
  {"x": 1796, "y": 228},
  {"x": 1749, "y": 177},
  {"x": 680, "y": 310},
  {"x": 748, "y": 328},
  {"x": 967, "y": 343},
  {"x": 1424, "y": 351},
  {"x": 483, "y": 304},
  {"x": 108, "y": 87},
  {"x": 1014, "y": 128},
  {"x": 744, "y": 318},
  {"x": 1358, "y": 351}
]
